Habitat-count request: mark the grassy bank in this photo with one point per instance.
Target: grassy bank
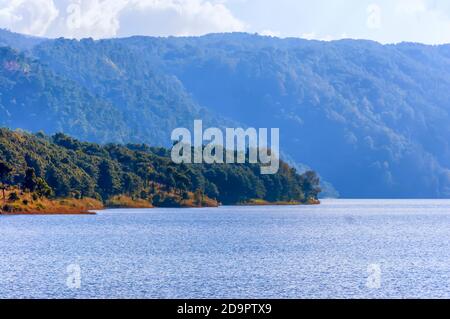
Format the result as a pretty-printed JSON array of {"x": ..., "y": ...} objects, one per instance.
[
  {"x": 17, "y": 203},
  {"x": 127, "y": 202}
]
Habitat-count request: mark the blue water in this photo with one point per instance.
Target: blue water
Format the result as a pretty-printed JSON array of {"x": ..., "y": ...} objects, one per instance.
[{"x": 326, "y": 251}]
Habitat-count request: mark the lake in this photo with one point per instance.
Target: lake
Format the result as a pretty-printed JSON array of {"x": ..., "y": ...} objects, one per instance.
[{"x": 340, "y": 249}]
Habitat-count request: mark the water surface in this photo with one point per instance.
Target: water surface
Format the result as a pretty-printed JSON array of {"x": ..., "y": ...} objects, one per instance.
[{"x": 233, "y": 252}]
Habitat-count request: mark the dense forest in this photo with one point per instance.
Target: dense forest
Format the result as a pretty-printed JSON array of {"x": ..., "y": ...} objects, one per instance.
[
  {"x": 141, "y": 106},
  {"x": 354, "y": 111},
  {"x": 62, "y": 167}
]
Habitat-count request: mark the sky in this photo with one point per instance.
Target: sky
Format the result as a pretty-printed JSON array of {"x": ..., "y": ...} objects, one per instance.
[{"x": 385, "y": 21}]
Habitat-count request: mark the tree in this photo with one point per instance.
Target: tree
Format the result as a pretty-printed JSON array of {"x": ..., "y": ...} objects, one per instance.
[
  {"x": 132, "y": 184},
  {"x": 211, "y": 190},
  {"x": 58, "y": 181},
  {"x": 13, "y": 197},
  {"x": 311, "y": 185},
  {"x": 30, "y": 181},
  {"x": 198, "y": 197},
  {"x": 5, "y": 172},
  {"x": 185, "y": 195},
  {"x": 108, "y": 179},
  {"x": 42, "y": 188}
]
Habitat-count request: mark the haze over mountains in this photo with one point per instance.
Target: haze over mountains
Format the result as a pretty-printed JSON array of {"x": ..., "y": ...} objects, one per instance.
[{"x": 372, "y": 119}]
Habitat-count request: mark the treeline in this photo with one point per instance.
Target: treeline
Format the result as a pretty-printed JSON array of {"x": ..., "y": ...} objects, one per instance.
[{"x": 62, "y": 167}]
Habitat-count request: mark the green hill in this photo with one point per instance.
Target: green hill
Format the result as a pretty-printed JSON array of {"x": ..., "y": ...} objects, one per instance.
[
  {"x": 74, "y": 169},
  {"x": 34, "y": 98}
]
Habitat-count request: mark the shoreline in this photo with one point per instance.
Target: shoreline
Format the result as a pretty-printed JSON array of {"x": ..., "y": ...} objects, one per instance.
[
  {"x": 93, "y": 211},
  {"x": 26, "y": 203},
  {"x": 48, "y": 214},
  {"x": 280, "y": 203}
]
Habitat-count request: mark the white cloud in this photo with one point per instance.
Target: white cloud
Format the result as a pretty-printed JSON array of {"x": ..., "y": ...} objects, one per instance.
[
  {"x": 93, "y": 18},
  {"x": 418, "y": 21},
  {"x": 32, "y": 17},
  {"x": 309, "y": 36},
  {"x": 328, "y": 37},
  {"x": 109, "y": 18},
  {"x": 179, "y": 17},
  {"x": 270, "y": 33},
  {"x": 386, "y": 21}
]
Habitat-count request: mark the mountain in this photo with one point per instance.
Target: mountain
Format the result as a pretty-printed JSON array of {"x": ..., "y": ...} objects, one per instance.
[
  {"x": 35, "y": 98},
  {"x": 371, "y": 118},
  {"x": 92, "y": 98},
  {"x": 70, "y": 168},
  {"x": 18, "y": 41},
  {"x": 152, "y": 102}
]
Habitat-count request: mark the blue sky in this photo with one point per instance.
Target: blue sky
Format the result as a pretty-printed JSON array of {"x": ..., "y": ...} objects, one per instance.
[{"x": 386, "y": 21}]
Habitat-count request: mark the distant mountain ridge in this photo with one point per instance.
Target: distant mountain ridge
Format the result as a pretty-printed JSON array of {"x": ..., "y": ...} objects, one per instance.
[
  {"x": 92, "y": 99},
  {"x": 19, "y": 41},
  {"x": 372, "y": 119}
]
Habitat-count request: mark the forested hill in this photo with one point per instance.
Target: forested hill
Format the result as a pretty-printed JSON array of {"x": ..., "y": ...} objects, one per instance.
[
  {"x": 18, "y": 41},
  {"x": 74, "y": 169},
  {"x": 96, "y": 101},
  {"x": 372, "y": 119},
  {"x": 34, "y": 98}
]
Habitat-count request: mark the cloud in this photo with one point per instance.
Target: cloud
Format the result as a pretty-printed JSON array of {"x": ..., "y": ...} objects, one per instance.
[
  {"x": 178, "y": 17},
  {"x": 32, "y": 17},
  {"x": 328, "y": 37},
  {"x": 270, "y": 33},
  {"x": 386, "y": 21},
  {"x": 426, "y": 21},
  {"x": 109, "y": 18},
  {"x": 93, "y": 18}
]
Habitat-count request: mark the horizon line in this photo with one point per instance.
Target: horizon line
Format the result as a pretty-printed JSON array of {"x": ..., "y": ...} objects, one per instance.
[{"x": 256, "y": 34}]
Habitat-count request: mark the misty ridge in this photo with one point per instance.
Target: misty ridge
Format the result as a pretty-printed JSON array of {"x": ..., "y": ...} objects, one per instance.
[{"x": 371, "y": 119}]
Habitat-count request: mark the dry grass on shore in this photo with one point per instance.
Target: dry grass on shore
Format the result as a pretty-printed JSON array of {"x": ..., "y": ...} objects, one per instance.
[
  {"x": 122, "y": 201},
  {"x": 30, "y": 205}
]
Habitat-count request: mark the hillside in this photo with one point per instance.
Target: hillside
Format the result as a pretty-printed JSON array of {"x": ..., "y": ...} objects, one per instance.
[
  {"x": 18, "y": 41},
  {"x": 372, "y": 119},
  {"x": 33, "y": 98},
  {"x": 152, "y": 102},
  {"x": 94, "y": 101},
  {"x": 62, "y": 167}
]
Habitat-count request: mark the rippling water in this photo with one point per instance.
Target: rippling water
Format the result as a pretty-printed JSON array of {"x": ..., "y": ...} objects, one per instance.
[{"x": 341, "y": 249}]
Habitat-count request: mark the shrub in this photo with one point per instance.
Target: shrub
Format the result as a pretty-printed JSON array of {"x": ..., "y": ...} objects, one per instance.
[
  {"x": 42, "y": 188},
  {"x": 185, "y": 195},
  {"x": 13, "y": 197},
  {"x": 9, "y": 208},
  {"x": 77, "y": 195}
]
